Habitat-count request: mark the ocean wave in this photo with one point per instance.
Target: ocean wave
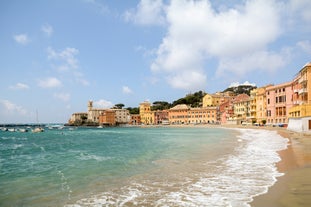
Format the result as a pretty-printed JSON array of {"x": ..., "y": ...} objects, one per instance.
[{"x": 85, "y": 156}]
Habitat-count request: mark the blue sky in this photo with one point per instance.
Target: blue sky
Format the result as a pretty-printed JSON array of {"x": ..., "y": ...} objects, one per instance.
[{"x": 56, "y": 55}]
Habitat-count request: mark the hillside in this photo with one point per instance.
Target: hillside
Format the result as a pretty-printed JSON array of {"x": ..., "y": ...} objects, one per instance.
[{"x": 241, "y": 89}]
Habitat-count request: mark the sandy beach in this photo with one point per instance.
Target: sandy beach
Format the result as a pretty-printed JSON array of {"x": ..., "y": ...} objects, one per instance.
[{"x": 294, "y": 188}]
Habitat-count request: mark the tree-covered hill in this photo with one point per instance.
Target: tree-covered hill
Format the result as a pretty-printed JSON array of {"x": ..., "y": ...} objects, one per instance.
[{"x": 241, "y": 89}]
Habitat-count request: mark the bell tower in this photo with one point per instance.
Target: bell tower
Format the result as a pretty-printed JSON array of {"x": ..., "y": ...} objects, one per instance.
[{"x": 90, "y": 106}]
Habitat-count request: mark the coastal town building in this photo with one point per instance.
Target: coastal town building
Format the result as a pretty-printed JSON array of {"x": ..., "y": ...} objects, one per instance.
[
  {"x": 241, "y": 108},
  {"x": 226, "y": 112},
  {"x": 261, "y": 105},
  {"x": 300, "y": 113},
  {"x": 97, "y": 116},
  {"x": 107, "y": 118},
  {"x": 135, "y": 119},
  {"x": 211, "y": 100},
  {"x": 279, "y": 101},
  {"x": 161, "y": 117},
  {"x": 178, "y": 114},
  {"x": 252, "y": 116},
  {"x": 146, "y": 115},
  {"x": 217, "y": 99},
  {"x": 122, "y": 116},
  {"x": 183, "y": 114},
  {"x": 93, "y": 113},
  {"x": 77, "y": 118}
]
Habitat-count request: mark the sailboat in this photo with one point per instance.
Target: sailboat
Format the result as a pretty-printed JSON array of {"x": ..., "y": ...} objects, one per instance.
[{"x": 38, "y": 128}]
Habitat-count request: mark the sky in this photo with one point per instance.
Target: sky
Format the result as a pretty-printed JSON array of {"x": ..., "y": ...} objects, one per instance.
[{"x": 57, "y": 55}]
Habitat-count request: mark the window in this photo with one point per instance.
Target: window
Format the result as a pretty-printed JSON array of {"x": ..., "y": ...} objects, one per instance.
[{"x": 268, "y": 100}]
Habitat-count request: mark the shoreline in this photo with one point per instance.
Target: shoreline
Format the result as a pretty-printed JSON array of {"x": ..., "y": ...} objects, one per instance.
[{"x": 294, "y": 187}]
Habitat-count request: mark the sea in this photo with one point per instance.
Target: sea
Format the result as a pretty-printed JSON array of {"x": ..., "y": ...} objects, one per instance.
[{"x": 136, "y": 166}]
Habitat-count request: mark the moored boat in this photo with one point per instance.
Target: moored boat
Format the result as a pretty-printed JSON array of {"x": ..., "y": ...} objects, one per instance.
[{"x": 38, "y": 129}]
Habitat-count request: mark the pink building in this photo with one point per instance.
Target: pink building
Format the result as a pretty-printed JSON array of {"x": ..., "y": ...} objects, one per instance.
[{"x": 279, "y": 100}]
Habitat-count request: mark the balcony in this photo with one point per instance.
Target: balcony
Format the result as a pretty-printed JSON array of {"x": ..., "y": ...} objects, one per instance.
[
  {"x": 302, "y": 80},
  {"x": 303, "y": 90}
]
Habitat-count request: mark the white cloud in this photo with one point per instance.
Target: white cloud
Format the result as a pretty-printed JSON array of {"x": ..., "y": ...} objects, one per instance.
[
  {"x": 62, "y": 96},
  {"x": 148, "y": 12},
  {"x": 47, "y": 29},
  {"x": 66, "y": 58},
  {"x": 19, "y": 86},
  {"x": 21, "y": 39},
  {"x": 103, "y": 104},
  {"x": 237, "y": 38},
  {"x": 246, "y": 83},
  {"x": 50, "y": 82},
  {"x": 188, "y": 80},
  {"x": 13, "y": 108},
  {"x": 126, "y": 90}
]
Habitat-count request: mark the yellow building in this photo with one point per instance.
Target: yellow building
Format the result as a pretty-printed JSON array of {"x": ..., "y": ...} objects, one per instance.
[
  {"x": 300, "y": 113},
  {"x": 211, "y": 100},
  {"x": 241, "y": 107},
  {"x": 252, "y": 106},
  {"x": 146, "y": 115},
  {"x": 261, "y": 105}
]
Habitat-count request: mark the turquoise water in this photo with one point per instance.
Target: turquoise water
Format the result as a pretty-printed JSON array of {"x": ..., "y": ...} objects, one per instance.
[{"x": 121, "y": 166}]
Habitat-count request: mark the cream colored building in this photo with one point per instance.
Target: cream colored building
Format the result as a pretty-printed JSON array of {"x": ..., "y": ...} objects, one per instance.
[
  {"x": 93, "y": 113},
  {"x": 77, "y": 117},
  {"x": 122, "y": 116}
]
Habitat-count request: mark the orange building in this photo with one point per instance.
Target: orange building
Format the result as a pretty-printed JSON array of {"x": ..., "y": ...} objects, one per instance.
[
  {"x": 183, "y": 114},
  {"x": 107, "y": 117},
  {"x": 178, "y": 114},
  {"x": 135, "y": 119}
]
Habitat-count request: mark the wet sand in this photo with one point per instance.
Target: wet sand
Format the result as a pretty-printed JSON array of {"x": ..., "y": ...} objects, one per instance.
[{"x": 294, "y": 188}]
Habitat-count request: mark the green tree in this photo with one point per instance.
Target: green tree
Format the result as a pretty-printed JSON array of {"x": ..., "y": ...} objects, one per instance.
[
  {"x": 134, "y": 110},
  {"x": 118, "y": 106},
  {"x": 160, "y": 105}
]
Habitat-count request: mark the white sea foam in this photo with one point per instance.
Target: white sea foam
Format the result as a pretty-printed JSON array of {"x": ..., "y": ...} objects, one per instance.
[
  {"x": 229, "y": 181},
  {"x": 86, "y": 156}
]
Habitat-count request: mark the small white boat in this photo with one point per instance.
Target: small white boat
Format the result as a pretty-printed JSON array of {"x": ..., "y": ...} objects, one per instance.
[
  {"x": 4, "y": 129},
  {"x": 23, "y": 130},
  {"x": 11, "y": 130},
  {"x": 37, "y": 129}
]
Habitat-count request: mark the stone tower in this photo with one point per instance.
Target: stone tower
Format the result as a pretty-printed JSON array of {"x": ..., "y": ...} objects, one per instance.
[{"x": 90, "y": 106}]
